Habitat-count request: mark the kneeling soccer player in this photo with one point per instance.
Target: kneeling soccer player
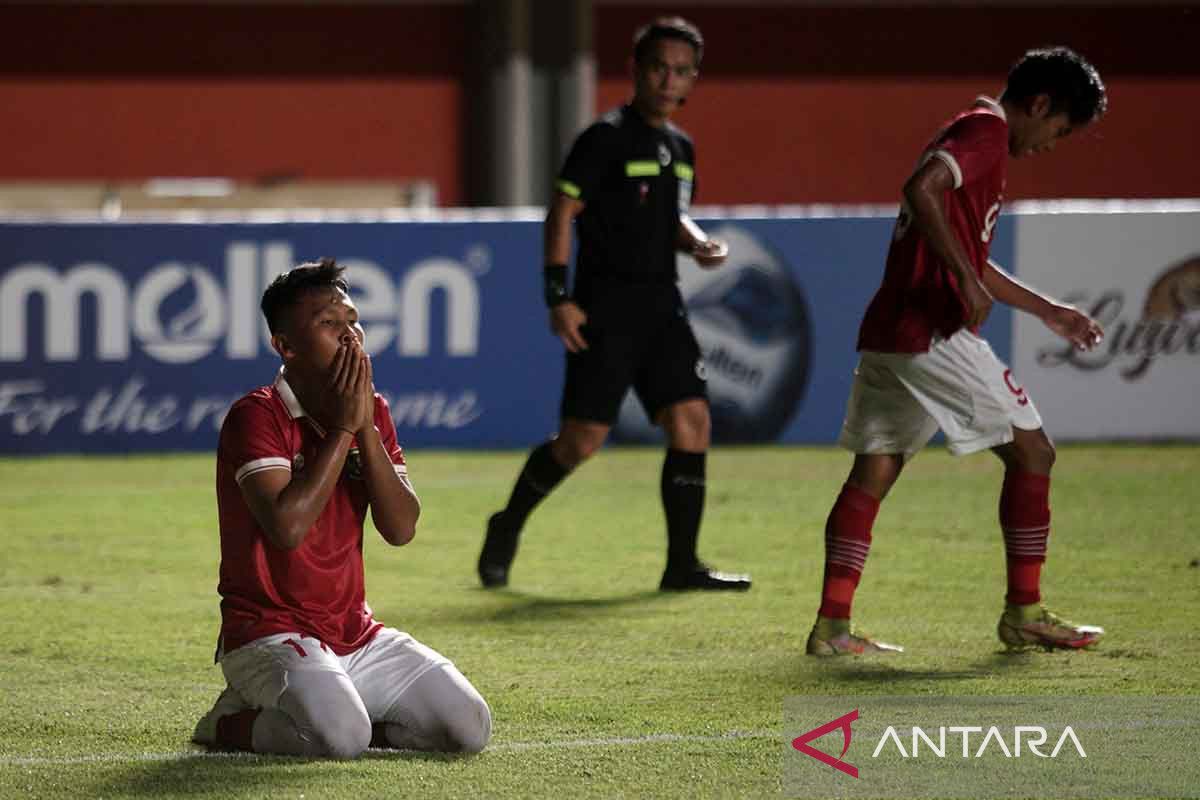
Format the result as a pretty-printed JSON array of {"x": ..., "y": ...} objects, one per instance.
[{"x": 310, "y": 671}]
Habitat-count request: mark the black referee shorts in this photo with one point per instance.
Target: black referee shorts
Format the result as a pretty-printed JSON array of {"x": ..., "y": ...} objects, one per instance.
[{"x": 638, "y": 337}]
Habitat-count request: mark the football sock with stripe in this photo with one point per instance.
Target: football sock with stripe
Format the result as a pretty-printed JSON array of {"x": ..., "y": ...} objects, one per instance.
[
  {"x": 847, "y": 543},
  {"x": 1025, "y": 522}
]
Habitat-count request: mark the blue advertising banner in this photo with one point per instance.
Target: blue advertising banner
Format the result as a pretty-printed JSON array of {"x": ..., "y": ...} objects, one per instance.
[
  {"x": 125, "y": 337},
  {"x": 778, "y": 323}
]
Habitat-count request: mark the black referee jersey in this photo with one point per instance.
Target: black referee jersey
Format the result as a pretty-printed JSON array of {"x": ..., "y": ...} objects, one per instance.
[{"x": 634, "y": 180}]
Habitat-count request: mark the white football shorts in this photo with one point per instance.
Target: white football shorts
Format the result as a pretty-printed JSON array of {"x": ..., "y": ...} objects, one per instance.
[
  {"x": 381, "y": 670},
  {"x": 899, "y": 400}
]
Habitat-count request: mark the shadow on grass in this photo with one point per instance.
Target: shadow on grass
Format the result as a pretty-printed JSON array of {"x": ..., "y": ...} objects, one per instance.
[
  {"x": 239, "y": 774},
  {"x": 522, "y": 607},
  {"x": 230, "y": 775},
  {"x": 893, "y": 670}
]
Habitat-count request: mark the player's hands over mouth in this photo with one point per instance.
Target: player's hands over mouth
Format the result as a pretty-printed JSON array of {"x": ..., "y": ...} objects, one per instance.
[
  {"x": 711, "y": 253},
  {"x": 368, "y": 390},
  {"x": 350, "y": 393},
  {"x": 566, "y": 319},
  {"x": 978, "y": 301},
  {"x": 1074, "y": 326}
]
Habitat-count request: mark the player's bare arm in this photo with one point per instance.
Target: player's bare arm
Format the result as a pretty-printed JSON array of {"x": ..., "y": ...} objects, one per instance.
[
  {"x": 691, "y": 239},
  {"x": 287, "y": 504},
  {"x": 1062, "y": 318},
  {"x": 566, "y": 318},
  {"x": 394, "y": 505},
  {"x": 923, "y": 193}
]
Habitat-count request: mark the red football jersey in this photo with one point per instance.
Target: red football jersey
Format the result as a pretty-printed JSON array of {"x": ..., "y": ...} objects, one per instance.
[
  {"x": 920, "y": 296},
  {"x": 316, "y": 588}
]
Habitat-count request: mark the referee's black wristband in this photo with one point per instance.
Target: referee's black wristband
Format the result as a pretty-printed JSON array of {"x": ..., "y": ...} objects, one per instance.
[{"x": 554, "y": 284}]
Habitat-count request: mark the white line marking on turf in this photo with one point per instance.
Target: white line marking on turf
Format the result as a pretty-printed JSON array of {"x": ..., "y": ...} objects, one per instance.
[
  {"x": 626, "y": 741},
  {"x": 183, "y": 755},
  {"x": 114, "y": 758},
  {"x": 507, "y": 747}
]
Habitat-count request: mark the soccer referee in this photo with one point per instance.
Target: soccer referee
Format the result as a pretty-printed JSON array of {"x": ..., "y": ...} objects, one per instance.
[{"x": 628, "y": 182}]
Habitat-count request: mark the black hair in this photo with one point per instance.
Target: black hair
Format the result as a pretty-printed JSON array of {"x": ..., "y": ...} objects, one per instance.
[
  {"x": 1072, "y": 84},
  {"x": 286, "y": 290},
  {"x": 666, "y": 28}
]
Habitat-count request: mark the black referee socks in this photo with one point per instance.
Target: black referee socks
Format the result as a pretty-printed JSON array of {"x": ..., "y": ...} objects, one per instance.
[
  {"x": 683, "y": 502},
  {"x": 539, "y": 477}
]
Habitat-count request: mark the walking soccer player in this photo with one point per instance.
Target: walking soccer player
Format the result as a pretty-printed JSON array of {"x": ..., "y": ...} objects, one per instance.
[{"x": 923, "y": 366}]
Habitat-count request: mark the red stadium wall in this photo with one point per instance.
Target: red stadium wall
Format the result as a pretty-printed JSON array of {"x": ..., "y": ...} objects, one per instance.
[
  {"x": 795, "y": 104},
  {"x": 813, "y": 105},
  {"x": 112, "y": 92},
  {"x": 855, "y": 141}
]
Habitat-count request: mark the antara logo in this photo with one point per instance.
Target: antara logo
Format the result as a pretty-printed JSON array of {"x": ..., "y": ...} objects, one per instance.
[
  {"x": 1032, "y": 736},
  {"x": 842, "y": 722},
  {"x": 1035, "y": 737}
]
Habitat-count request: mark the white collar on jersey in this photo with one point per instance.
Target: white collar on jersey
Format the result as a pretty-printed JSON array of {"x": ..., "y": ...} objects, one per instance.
[
  {"x": 290, "y": 402},
  {"x": 991, "y": 105}
]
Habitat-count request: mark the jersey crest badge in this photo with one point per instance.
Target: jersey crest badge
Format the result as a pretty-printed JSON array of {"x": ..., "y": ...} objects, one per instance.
[{"x": 664, "y": 154}]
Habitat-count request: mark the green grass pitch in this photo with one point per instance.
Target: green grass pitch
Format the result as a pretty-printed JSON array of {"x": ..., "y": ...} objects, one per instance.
[{"x": 599, "y": 685}]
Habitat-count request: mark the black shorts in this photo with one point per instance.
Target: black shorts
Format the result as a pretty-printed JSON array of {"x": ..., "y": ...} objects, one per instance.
[{"x": 637, "y": 337}]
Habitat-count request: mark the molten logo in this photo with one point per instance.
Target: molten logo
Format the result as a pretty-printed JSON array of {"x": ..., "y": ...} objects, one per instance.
[
  {"x": 843, "y": 722},
  {"x": 222, "y": 314}
]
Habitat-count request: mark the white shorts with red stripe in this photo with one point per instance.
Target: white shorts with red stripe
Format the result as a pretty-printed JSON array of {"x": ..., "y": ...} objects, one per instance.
[
  {"x": 380, "y": 670},
  {"x": 899, "y": 400}
]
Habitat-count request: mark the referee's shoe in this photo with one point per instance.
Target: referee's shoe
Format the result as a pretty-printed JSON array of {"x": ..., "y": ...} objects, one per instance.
[
  {"x": 499, "y": 550},
  {"x": 700, "y": 576}
]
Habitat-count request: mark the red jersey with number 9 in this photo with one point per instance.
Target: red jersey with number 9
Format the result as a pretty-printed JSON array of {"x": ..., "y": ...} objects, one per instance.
[{"x": 920, "y": 297}]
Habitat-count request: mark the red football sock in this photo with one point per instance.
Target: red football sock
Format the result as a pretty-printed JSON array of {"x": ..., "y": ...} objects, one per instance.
[
  {"x": 847, "y": 542},
  {"x": 236, "y": 730},
  {"x": 1025, "y": 521}
]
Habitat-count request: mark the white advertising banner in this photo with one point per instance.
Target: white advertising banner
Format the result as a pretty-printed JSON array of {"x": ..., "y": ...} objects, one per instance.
[{"x": 1138, "y": 274}]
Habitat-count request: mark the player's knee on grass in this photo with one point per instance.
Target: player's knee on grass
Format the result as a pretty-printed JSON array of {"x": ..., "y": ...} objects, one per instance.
[
  {"x": 469, "y": 723},
  {"x": 277, "y": 731},
  {"x": 342, "y": 735},
  {"x": 441, "y": 711},
  {"x": 345, "y": 737},
  {"x": 457, "y": 709},
  {"x": 328, "y": 713}
]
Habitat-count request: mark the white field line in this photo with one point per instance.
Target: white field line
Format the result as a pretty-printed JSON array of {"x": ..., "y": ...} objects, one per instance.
[
  {"x": 503, "y": 747},
  {"x": 510, "y": 747}
]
